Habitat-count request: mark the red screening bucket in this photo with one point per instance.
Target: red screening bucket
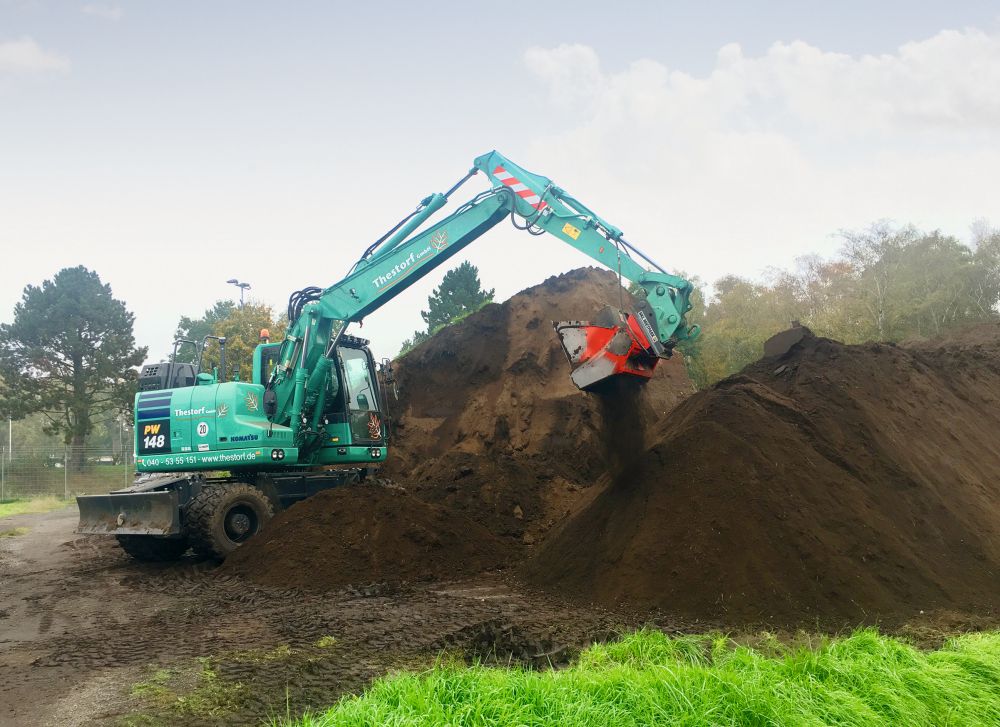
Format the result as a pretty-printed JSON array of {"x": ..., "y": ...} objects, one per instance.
[{"x": 611, "y": 347}]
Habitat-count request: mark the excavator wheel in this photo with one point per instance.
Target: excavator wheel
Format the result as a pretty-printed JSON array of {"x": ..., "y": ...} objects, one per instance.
[
  {"x": 153, "y": 549},
  {"x": 223, "y": 517}
]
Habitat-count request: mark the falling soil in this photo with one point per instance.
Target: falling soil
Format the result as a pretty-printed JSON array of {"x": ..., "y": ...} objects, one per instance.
[
  {"x": 490, "y": 424},
  {"x": 833, "y": 484},
  {"x": 362, "y": 535}
]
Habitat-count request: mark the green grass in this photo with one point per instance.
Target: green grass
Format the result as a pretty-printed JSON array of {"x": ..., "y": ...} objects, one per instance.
[
  {"x": 650, "y": 679},
  {"x": 212, "y": 697},
  {"x": 32, "y": 505},
  {"x": 13, "y": 532},
  {"x": 155, "y": 687},
  {"x": 171, "y": 696}
]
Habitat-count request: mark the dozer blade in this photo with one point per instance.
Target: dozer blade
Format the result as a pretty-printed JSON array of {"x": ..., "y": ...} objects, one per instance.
[
  {"x": 612, "y": 347},
  {"x": 131, "y": 513}
]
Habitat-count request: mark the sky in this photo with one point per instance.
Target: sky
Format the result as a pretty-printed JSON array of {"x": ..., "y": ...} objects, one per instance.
[{"x": 173, "y": 146}]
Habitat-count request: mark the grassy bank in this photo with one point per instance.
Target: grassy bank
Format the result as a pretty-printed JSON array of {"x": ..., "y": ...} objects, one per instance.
[
  {"x": 650, "y": 679},
  {"x": 33, "y": 505}
]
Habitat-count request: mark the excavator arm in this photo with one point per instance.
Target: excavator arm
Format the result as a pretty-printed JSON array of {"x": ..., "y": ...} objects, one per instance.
[
  {"x": 617, "y": 343},
  {"x": 546, "y": 207}
]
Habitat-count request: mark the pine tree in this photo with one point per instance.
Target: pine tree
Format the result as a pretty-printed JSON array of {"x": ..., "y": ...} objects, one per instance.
[
  {"x": 70, "y": 355},
  {"x": 459, "y": 295}
]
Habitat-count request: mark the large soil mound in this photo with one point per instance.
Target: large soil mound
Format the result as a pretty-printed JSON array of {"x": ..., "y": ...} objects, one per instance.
[
  {"x": 363, "y": 534},
  {"x": 490, "y": 423},
  {"x": 835, "y": 483},
  {"x": 493, "y": 439}
]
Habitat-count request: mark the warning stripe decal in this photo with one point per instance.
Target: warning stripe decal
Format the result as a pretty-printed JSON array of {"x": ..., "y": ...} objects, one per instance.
[{"x": 522, "y": 190}]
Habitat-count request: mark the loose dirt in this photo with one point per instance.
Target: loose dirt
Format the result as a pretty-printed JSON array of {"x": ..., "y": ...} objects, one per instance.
[
  {"x": 489, "y": 423},
  {"x": 493, "y": 440},
  {"x": 833, "y": 484},
  {"x": 368, "y": 534}
]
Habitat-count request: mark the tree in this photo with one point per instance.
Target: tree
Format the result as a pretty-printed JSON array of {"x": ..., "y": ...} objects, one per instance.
[
  {"x": 70, "y": 355},
  {"x": 241, "y": 329},
  {"x": 195, "y": 329},
  {"x": 986, "y": 288},
  {"x": 935, "y": 290},
  {"x": 875, "y": 254},
  {"x": 740, "y": 316},
  {"x": 27, "y": 434},
  {"x": 888, "y": 284},
  {"x": 459, "y": 295}
]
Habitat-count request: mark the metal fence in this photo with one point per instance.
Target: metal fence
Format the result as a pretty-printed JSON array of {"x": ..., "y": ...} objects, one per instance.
[{"x": 63, "y": 472}]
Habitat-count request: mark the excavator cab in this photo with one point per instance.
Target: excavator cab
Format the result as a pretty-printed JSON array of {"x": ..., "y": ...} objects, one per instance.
[
  {"x": 359, "y": 399},
  {"x": 353, "y": 411}
]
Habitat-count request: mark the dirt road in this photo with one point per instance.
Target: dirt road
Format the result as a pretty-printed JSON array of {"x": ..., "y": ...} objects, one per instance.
[{"x": 89, "y": 637}]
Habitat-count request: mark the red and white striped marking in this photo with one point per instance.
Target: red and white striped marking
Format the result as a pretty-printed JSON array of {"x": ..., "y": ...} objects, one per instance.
[{"x": 522, "y": 190}]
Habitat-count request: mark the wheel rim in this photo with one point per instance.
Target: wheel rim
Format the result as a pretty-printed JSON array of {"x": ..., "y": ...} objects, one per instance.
[{"x": 241, "y": 523}]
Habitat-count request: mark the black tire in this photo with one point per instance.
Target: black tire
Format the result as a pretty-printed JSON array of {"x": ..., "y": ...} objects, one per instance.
[
  {"x": 223, "y": 517},
  {"x": 152, "y": 548}
]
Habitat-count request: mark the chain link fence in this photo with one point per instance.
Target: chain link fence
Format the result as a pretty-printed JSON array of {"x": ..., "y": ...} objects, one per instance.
[{"x": 63, "y": 472}]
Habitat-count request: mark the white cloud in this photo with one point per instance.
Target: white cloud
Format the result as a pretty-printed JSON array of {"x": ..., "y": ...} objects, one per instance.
[
  {"x": 948, "y": 80},
  {"x": 102, "y": 10},
  {"x": 26, "y": 56},
  {"x": 759, "y": 160}
]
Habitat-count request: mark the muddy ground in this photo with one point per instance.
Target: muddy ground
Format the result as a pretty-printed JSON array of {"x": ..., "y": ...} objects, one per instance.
[{"x": 89, "y": 637}]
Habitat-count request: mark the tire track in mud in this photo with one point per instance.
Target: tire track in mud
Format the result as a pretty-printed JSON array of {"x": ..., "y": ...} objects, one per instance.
[{"x": 108, "y": 615}]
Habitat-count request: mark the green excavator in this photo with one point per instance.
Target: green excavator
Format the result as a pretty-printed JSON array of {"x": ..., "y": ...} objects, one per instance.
[{"x": 215, "y": 458}]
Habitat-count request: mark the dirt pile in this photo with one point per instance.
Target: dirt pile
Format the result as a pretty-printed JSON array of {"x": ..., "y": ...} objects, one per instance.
[
  {"x": 490, "y": 424},
  {"x": 365, "y": 534},
  {"x": 834, "y": 483},
  {"x": 492, "y": 439}
]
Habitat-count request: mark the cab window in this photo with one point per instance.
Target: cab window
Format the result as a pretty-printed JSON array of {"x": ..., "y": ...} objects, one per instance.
[
  {"x": 360, "y": 392},
  {"x": 268, "y": 359}
]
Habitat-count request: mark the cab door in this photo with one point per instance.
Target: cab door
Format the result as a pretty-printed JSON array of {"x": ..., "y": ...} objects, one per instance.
[{"x": 361, "y": 396}]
